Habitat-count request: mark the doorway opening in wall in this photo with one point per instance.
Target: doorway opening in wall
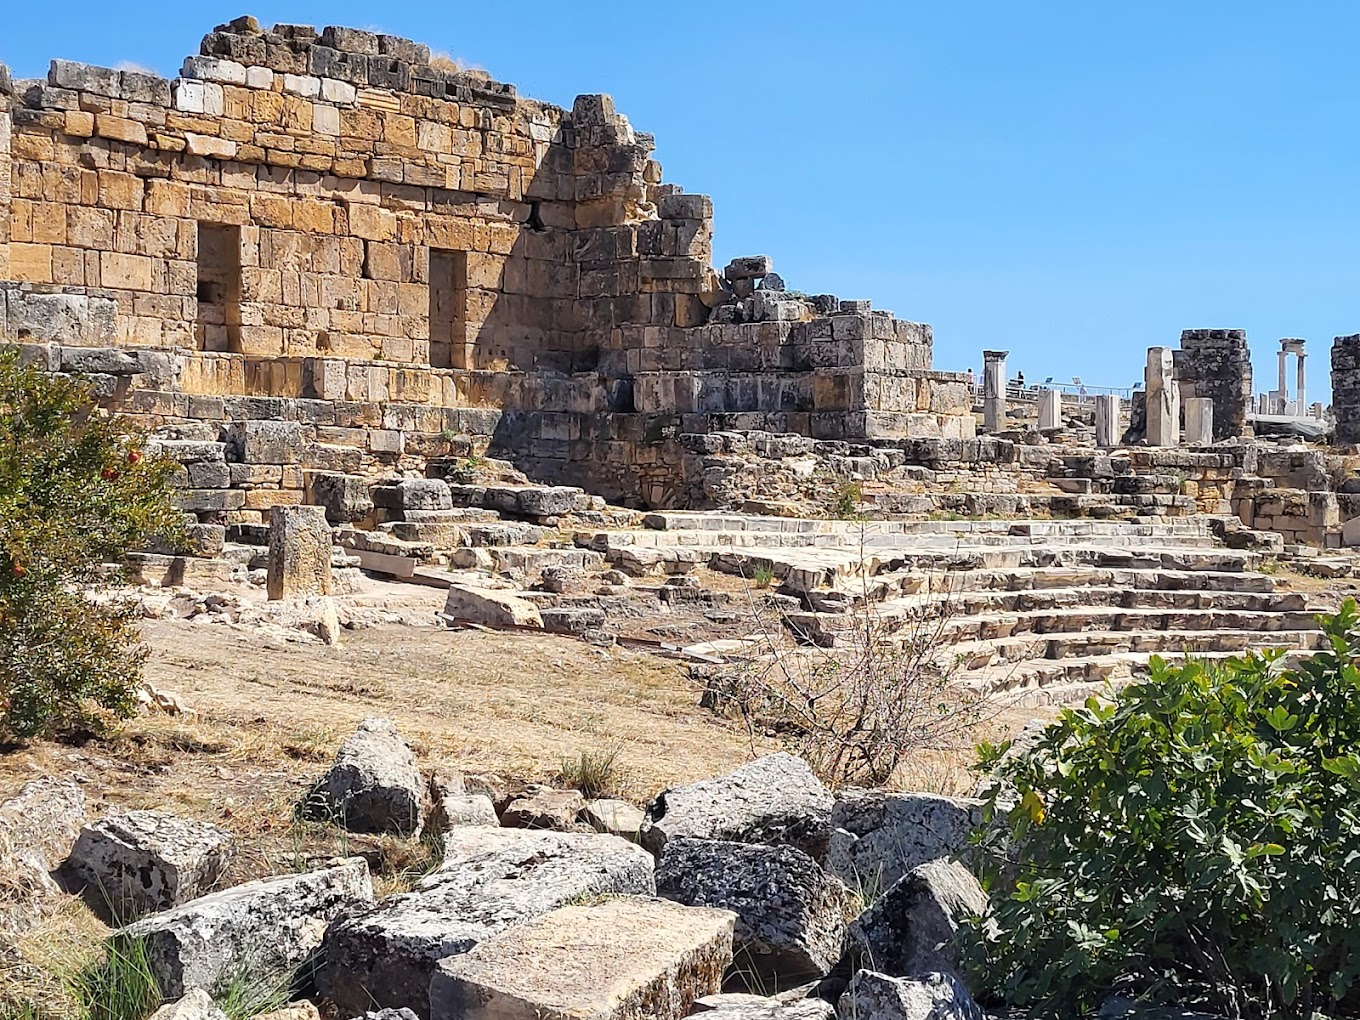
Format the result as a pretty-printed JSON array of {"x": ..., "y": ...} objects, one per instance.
[
  {"x": 218, "y": 326},
  {"x": 448, "y": 309}
]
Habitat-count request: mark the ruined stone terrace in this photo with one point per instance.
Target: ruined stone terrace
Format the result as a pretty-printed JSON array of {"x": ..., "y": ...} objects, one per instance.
[{"x": 334, "y": 228}]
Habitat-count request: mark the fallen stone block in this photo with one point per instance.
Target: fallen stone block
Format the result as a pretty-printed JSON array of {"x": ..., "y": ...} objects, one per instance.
[
  {"x": 463, "y": 809},
  {"x": 775, "y": 799},
  {"x": 910, "y": 928},
  {"x": 38, "y": 827},
  {"x": 616, "y": 817},
  {"x": 269, "y": 927},
  {"x": 878, "y": 837},
  {"x": 374, "y": 785},
  {"x": 544, "y": 809},
  {"x": 140, "y": 862},
  {"x": 791, "y": 915},
  {"x": 490, "y": 607},
  {"x": 490, "y": 880},
  {"x": 875, "y": 996},
  {"x": 196, "y": 1005},
  {"x": 742, "y": 1006},
  {"x": 577, "y": 622},
  {"x": 612, "y": 961}
]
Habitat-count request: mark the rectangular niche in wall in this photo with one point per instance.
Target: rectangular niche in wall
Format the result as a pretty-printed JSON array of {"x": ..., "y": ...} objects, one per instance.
[
  {"x": 448, "y": 309},
  {"x": 218, "y": 327}
]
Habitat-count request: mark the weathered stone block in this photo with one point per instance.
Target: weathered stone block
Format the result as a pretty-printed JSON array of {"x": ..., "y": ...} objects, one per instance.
[
  {"x": 266, "y": 442},
  {"x": 613, "y": 961},
  {"x": 140, "y": 862},
  {"x": 267, "y": 928},
  {"x": 300, "y": 543},
  {"x": 374, "y": 785}
]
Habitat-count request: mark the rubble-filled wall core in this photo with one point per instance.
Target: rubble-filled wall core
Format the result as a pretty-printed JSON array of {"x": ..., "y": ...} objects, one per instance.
[
  {"x": 414, "y": 261},
  {"x": 1346, "y": 387},
  {"x": 1216, "y": 363}
]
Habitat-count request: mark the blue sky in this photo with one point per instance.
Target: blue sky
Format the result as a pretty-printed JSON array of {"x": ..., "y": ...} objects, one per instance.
[{"x": 1074, "y": 181}]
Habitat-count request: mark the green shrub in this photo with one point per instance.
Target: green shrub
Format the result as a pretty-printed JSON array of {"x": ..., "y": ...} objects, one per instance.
[
  {"x": 845, "y": 500},
  {"x": 594, "y": 773},
  {"x": 76, "y": 493},
  {"x": 1196, "y": 840}
]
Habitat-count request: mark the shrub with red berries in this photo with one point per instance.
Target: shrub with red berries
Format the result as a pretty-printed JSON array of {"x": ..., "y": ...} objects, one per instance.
[{"x": 76, "y": 495}]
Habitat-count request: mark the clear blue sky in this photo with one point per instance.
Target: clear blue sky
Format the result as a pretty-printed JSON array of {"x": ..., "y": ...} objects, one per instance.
[{"x": 1074, "y": 180}]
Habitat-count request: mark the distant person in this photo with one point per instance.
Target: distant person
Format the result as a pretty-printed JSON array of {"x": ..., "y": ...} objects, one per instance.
[
  {"x": 972, "y": 382},
  {"x": 1020, "y": 379}
]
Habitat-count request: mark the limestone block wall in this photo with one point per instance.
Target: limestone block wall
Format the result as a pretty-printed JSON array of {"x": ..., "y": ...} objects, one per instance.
[
  {"x": 6, "y": 89},
  {"x": 325, "y": 226}
]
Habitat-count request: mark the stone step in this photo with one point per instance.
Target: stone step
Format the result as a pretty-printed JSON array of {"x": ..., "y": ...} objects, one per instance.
[
  {"x": 1020, "y": 652},
  {"x": 721, "y": 521},
  {"x": 891, "y": 584},
  {"x": 968, "y": 603},
  {"x": 1064, "y": 681},
  {"x": 802, "y": 570}
]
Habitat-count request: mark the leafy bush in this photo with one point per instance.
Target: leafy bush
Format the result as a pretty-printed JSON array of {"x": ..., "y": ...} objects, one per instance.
[
  {"x": 1195, "y": 840},
  {"x": 76, "y": 493}
]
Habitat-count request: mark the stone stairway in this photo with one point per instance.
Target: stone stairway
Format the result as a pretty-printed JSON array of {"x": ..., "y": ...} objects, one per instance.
[{"x": 1034, "y": 611}]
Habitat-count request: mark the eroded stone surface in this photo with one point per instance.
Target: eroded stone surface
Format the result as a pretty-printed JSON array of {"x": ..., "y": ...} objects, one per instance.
[
  {"x": 933, "y": 996},
  {"x": 878, "y": 837},
  {"x": 299, "y": 552},
  {"x": 791, "y": 915},
  {"x": 774, "y": 799},
  {"x": 490, "y": 880},
  {"x": 267, "y": 927},
  {"x": 616, "y": 960},
  {"x": 196, "y": 1005},
  {"x": 374, "y": 785},
  {"x": 139, "y": 862},
  {"x": 910, "y": 927},
  {"x": 38, "y": 827}
]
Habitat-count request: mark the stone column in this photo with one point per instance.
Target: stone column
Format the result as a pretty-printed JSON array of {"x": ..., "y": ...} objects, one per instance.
[
  {"x": 994, "y": 390},
  {"x": 1283, "y": 391},
  {"x": 1050, "y": 409},
  {"x": 1199, "y": 421},
  {"x": 1302, "y": 385},
  {"x": 1107, "y": 420},
  {"x": 1163, "y": 398},
  {"x": 299, "y": 552}
]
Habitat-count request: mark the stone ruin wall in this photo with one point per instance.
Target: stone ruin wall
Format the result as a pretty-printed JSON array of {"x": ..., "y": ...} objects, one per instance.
[{"x": 411, "y": 263}]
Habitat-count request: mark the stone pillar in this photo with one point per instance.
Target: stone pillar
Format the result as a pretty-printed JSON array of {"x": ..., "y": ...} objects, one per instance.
[
  {"x": 1199, "y": 421},
  {"x": 1218, "y": 363},
  {"x": 1346, "y": 388},
  {"x": 1163, "y": 398},
  {"x": 1284, "y": 376},
  {"x": 299, "y": 552},
  {"x": 994, "y": 390},
  {"x": 1107, "y": 420},
  {"x": 1050, "y": 409},
  {"x": 1302, "y": 385},
  {"x": 6, "y": 88}
]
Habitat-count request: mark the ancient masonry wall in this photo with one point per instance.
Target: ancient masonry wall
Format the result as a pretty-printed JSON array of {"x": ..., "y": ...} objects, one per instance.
[
  {"x": 412, "y": 261},
  {"x": 1216, "y": 363},
  {"x": 1346, "y": 387}
]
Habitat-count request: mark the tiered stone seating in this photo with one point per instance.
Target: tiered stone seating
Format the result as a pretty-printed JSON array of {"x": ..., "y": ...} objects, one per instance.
[{"x": 1029, "y": 610}]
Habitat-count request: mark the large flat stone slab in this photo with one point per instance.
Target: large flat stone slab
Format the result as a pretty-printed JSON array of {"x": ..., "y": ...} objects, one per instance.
[
  {"x": 490, "y": 880},
  {"x": 619, "y": 960}
]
